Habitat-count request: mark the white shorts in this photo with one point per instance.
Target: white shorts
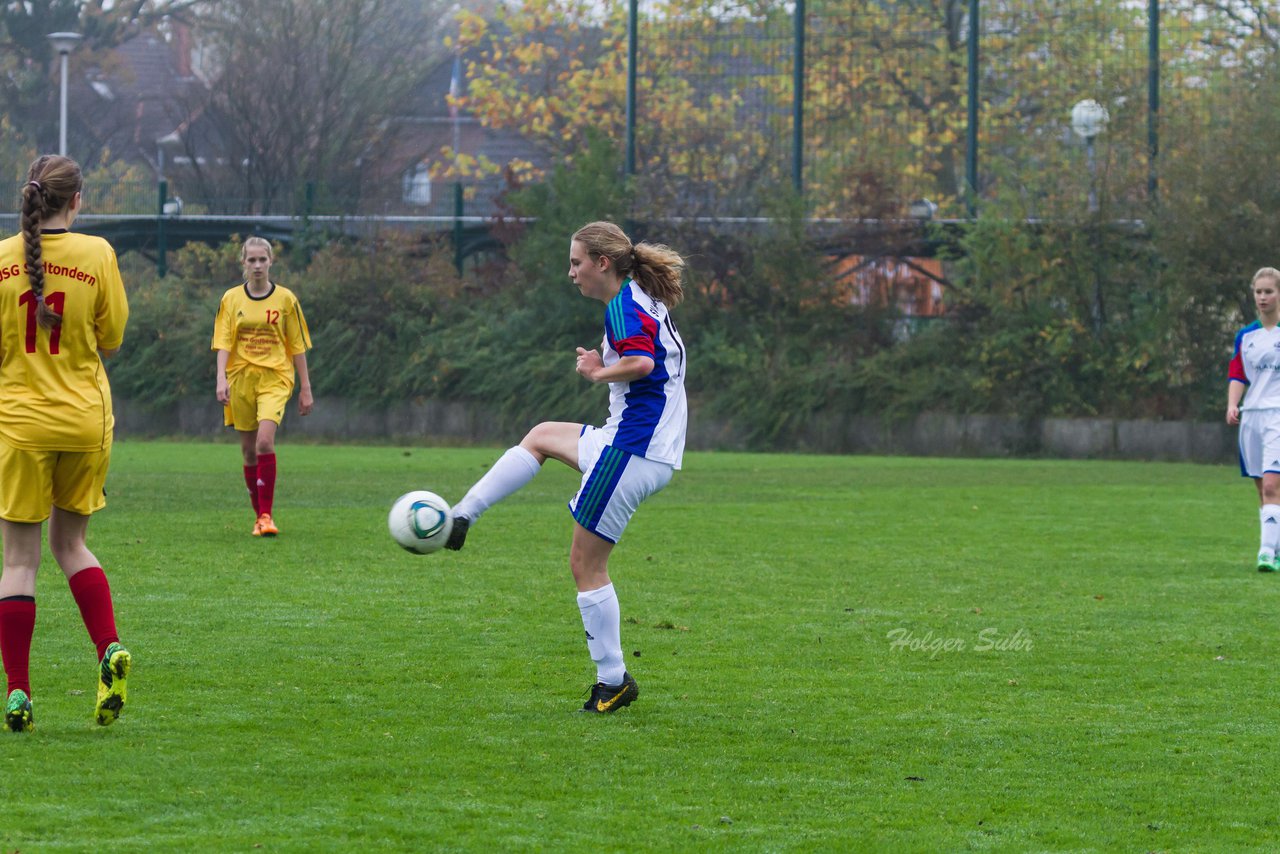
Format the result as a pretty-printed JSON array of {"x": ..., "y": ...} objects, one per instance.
[
  {"x": 1259, "y": 442},
  {"x": 614, "y": 482}
]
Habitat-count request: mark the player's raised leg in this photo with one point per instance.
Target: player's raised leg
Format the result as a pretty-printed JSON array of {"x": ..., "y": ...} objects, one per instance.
[{"x": 513, "y": 470}]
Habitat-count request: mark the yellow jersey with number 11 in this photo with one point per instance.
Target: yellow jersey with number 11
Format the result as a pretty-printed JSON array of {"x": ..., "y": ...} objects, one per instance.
[{"x": 54, "y": 393}]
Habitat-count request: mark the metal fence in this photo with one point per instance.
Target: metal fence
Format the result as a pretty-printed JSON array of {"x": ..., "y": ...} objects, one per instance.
[
  {"x": 867, "y": 107},
  {"x": 174, "y": 198},
  {"x": 875, "y": 109}
]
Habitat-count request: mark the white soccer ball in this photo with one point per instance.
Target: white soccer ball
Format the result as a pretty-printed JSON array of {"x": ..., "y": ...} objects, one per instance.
[{"x": 420, "y": 521}]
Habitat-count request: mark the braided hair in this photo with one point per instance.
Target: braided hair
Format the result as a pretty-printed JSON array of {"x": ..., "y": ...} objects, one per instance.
[
  {"x": 656, "y": 268},
  {"x": 52, "y": 182}
]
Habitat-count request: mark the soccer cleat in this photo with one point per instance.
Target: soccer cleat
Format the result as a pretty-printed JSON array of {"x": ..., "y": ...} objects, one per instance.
[
  {"x": 112, "y": 690},
  {"x": 257, "y": 527},
  {"x": 17, "y": 712},
  {"x": 458, "y": 533},
  {"x": 1267, "y": 562},
  {"x": 609, "y": 698},
  {"x": 265, "y": 527}
]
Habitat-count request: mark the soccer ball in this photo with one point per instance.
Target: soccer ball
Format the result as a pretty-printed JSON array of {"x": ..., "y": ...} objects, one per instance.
[{"x": 420, "y": 521}]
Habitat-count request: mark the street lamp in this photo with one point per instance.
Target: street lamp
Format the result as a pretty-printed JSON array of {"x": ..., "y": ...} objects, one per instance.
[
  {"x": 1088, "y": 119},
  {"x": 64, "y": 43},
  {"x": 922, "y": 209}
]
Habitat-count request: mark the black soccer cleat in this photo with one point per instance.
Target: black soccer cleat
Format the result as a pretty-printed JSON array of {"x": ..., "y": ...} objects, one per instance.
[
  {"x": 458, "y": 534},
  {"x": 609, "y": 698}
]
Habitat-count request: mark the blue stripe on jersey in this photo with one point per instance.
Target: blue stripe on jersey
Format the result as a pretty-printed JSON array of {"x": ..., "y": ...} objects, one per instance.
[
  {"x": 615, "y": 317},
  {"x": 1257, "y": 324},
  {"x": 646, "y": 398},
  {"x": 599, "y": 487}
]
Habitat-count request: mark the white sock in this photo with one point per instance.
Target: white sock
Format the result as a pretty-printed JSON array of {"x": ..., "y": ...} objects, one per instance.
[
  {"x": 513, "y": 470},
  {"x": 1270, "y": 518},
  {"x": 602, "y": 619}
]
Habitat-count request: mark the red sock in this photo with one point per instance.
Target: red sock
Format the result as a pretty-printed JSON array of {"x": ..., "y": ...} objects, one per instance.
[
  {"x": 251, "y": 481},
  {"x": 267, "y": 478},
  {"x": 93, "y": 594},
  {"x": 17, "y": 624}
]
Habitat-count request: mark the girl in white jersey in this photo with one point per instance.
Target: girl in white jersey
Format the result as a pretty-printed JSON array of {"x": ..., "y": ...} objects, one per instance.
[
  {"x": 1253, "y": 402},
  {"x": 631, "y": 456}
]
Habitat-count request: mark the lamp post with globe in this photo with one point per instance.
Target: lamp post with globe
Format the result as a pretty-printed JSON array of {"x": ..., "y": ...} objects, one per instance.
[
  {"x": 63, "y": 43},
  {"x": 1088, "y": 119}
]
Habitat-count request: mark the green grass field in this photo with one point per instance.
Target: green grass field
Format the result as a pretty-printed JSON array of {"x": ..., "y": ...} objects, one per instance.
[{"x": 834, "y": 653}]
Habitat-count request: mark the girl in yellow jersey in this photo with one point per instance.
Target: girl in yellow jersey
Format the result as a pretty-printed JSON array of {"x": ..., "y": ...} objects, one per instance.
[
  {"x": 261, "y": 339},
  {"x": 62, "y": 310}
]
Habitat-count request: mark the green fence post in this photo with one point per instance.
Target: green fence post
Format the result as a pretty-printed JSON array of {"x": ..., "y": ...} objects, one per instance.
[
  {"x": 308, "y": 206},
  {"x": 971, "y": 136},
  {"x": 457, "y": 226},
  {"x": 797, "y": 105},
  {"x": 1153, "y": 100},
  {"x": 633, "y": 18},
  {"x": 162, "y": 266}
]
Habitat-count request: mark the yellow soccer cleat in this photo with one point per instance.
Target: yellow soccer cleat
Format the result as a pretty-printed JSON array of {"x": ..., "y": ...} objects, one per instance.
[
  {"x": 17, "y": 712},
  {"x": 266, "y": 527},
  {"x": 112, "y": 690}
]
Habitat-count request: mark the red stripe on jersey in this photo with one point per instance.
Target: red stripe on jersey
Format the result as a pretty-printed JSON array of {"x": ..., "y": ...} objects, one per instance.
[
  {"x": 1236, "y": 371},
  {"x": 640, "y": 344}
]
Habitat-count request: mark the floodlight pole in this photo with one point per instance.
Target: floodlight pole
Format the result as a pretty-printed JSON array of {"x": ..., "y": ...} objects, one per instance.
[{"x": 63, "y": 43}]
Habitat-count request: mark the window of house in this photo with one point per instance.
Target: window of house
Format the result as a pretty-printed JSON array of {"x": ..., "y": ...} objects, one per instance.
[{"x": 417, "y": 186}]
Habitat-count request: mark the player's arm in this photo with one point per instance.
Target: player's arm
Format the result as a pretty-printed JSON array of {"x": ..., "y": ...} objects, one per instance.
[
  {"x": 632, "y": 337},
  {"x": 111, "y": 310},
  {"x": 625, "y": 370},
  {"x": 223, "y": 389},
  {"x": 1237, "y": 384},
  {"x": 305, "y": 400},
  {"x": 1235, "y": 392}
]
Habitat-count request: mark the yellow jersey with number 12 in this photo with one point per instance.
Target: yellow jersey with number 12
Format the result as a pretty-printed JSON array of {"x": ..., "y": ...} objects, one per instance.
[
  {"x": 54, "y": 393},
  {"x": 260, "y": 332}
]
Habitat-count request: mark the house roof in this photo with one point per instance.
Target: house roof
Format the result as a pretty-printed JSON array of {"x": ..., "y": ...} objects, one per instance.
[
  {"x": 143, "y": 92},
  {"x": 140, "y": 92}
]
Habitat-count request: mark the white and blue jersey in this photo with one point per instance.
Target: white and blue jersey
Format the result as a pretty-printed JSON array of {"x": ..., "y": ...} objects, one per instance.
[
  {"x": 1256, "y": 363},
  {"x": 648, "y": 417}
]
